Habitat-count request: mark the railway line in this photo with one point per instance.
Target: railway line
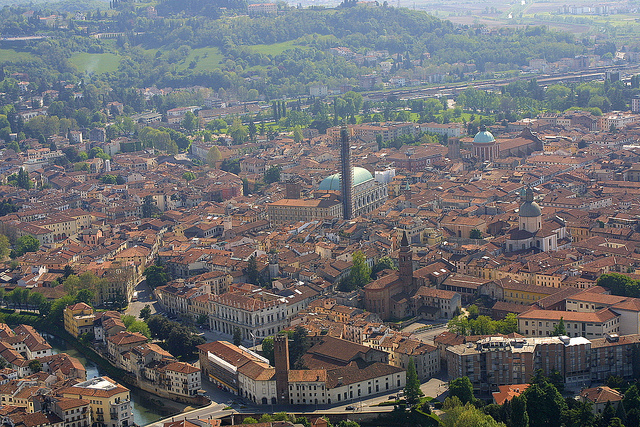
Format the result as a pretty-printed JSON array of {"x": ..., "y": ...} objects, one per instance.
[{"x": 590, "y": 74}]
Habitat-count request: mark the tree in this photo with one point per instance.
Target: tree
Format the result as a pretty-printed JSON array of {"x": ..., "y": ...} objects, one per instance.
[
  {"x": 23, "y": 179},
  {"x": 299, "y": 346},
  {"x": 156, "y": 276},
  {"x": 237, "y": 336},
  {"x": 55, "y": 315},
  {"x": 25, "y": 244},
  {"x": 86, "y": 296},
  {"x": 384, "y": 263},
  {"x": 475, "y": 234},
  {"x": 250, "y": 420},
  {"x": 557, "y": 380},
  {"x": 412, "y": 390},
  {"x": 608, "y": 413},
  {"x": 178, "y": 341},
  {"x": 360, "y": 273},
  {"x": 108, "y": 179},
  {"x": 297, "y": 134},
  {"x": 4, "y": 247},
  {"x": 545, "y": 404},
  {"x": 188, "y": 176},
  {"x": 202, "y": 319},
  {"x": 213, "y": 156},
  {"x": 238, "y": 132},
  {"x": 560, "y": 328},
  {"x": 190, "y": 121},
  {"x": 267, "y": 349},
  {"x": 458, "y": 415},
  {"x": 253, "y": 275},
  {"x": 139, "y": 326},
  {"x": 35, "y": 365},
  {"x": 462, "y": 389},
  {"x": 519, "y": 415},
  {"x": 148, "y": 207},
  {"x": 460, "y": 325},
  {"x": 159, "y": 326},
  {"x": 265, "y": 418},
  {"x": 145, "y": 313},
  {"x": 272, "y": 174}
]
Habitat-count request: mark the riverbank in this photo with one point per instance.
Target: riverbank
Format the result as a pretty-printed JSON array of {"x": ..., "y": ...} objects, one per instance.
[{"x": 147, "y": 407}]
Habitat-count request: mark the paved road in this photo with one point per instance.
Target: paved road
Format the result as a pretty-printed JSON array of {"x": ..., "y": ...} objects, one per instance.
[
  {"x": 427, "y": 335},
  {"x": 224, "y": 403},
  {"x": 145, "y": 297}
]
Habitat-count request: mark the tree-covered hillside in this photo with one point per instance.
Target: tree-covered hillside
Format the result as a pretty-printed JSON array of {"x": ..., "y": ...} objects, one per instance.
[{"x": 274, "y": 55}]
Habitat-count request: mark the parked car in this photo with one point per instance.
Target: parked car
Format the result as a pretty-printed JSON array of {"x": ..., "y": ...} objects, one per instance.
[
  {"x": 351, "y": 408},
  {"x": 392, "y": 397}
]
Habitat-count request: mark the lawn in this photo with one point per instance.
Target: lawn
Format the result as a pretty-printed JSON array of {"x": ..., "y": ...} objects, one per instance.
[
  {"x": 14, "y": 55},
  {"x": 277, "y": 48},
  {"x": 206, "y": 58},
  {"x": 97, "y": 63}
]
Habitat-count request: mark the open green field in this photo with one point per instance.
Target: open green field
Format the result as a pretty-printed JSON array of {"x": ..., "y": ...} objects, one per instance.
[
  {"x": 97, "y": 63},
  {"x": 277, "y": 48},
  {"x": 7, "y": 55},
  {"x": 206, "y": 58}
]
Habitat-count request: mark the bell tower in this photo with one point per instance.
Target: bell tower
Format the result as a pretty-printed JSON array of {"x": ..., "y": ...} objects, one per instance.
[
  {"x": 281, "y": 356},
  {"x": 346, "y": 174},
  {"x": 405, "y": 262}
]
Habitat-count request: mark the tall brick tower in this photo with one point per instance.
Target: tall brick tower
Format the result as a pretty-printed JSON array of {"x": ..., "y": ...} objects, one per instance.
[
  {"x": 405, "y": 263},
  {"x": 346, "y": 174},
  {"x": 281, "y": 356}
]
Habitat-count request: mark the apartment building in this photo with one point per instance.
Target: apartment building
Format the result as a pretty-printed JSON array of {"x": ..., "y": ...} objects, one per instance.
[
  {"x": 590, "y": 325},
  {"x": 78, "y": 319},
  {"x": 497, "y": 360},
  {"x": 109, "y": 401}
]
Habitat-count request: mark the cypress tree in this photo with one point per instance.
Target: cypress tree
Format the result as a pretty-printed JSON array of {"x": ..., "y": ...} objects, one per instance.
[{"x": 412, "y": 390}]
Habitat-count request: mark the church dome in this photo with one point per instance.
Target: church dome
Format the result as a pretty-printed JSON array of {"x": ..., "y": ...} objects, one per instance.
[
  {"x": 529, "y": 208},
  {"x": 483, "y": 137},
  {"x": 332, "y": 182}
]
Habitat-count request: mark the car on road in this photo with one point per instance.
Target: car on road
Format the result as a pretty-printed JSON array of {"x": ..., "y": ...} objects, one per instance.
[
  {"x": 392, "y": 397},
  {"x": 350, "y": 408}
]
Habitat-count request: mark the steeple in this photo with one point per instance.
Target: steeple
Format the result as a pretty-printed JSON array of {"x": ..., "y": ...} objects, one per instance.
[
  {"x": 346, "y": 174},
  {"x": 405, "y": 262}
]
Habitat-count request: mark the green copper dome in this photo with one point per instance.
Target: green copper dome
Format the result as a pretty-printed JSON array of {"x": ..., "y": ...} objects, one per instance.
[
  {"x": 483, "y": 137},
  {"x": 332, "y": 182}
]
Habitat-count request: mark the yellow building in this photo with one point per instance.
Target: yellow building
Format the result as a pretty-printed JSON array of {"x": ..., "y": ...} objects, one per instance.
[
  {"x": 552, "y": 280},
  {"x": 295, "y": 210},
  {"x": 78, "y": 319},
  {"x": 521, "y": 293},
  {"x": 110, "y": 402}
]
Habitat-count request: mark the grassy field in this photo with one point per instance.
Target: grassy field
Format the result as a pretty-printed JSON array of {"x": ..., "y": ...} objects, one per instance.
[
  {"x": 206, "y": 58},
  {"x": 96, "y": 62},
  {"x": 276, "y": 48},
  {"x": 14, "y": 55}
]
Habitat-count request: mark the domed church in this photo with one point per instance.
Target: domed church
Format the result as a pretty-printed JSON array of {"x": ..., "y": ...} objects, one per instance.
[
  {"x": 531, "y": 232},
  {"x": 485, "y": 147},
  {"x": 367, "y": 194}
]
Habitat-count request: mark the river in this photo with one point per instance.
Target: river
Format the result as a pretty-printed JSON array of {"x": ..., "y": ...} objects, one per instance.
[{"x": 146, "y": 410}]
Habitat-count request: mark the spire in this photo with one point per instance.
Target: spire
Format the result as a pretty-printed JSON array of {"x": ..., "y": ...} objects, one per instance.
[
  {"x": 346, "y": 174},
  {"x": 404, "y": 241},
  {"x": 528, "y": 195}
]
